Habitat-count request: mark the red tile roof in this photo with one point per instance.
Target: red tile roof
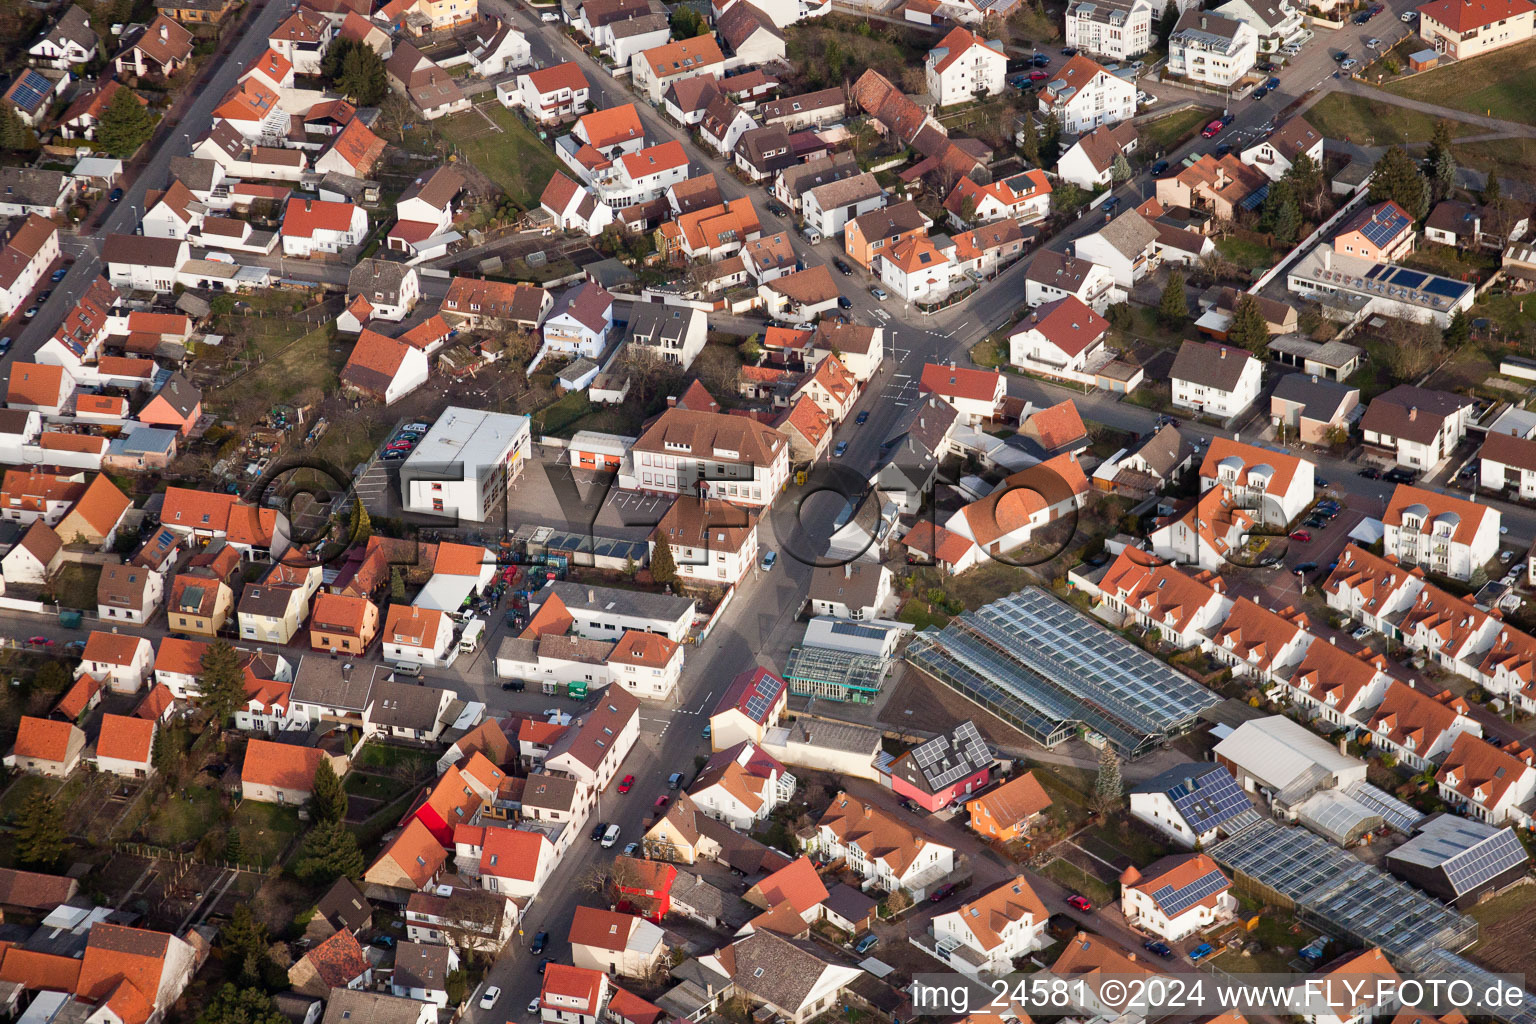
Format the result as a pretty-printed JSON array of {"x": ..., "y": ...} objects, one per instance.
[{"x": 126, "y": 739}]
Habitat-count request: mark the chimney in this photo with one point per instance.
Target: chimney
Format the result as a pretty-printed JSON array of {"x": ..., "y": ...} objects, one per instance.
[
  {"x": 1203, "y": 22},
  {"x": 1314, "y": 378},
  {"x": 1413, "y": 413},
  {"x": 847, "y": 572},
  {"x": 1327, "y": 259},
  {"x": 1343, "y": 746},
  {"x": 1223, "y": 353},
  {"x": 346, "y": 672},
  {"x": 591, "y": 596},
  {"x": 165, "y": 32},
  {"x": 308, "y": 205}
]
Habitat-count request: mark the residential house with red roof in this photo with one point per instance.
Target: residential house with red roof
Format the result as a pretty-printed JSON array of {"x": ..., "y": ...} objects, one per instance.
[
  {"x": 177, "y": 405},
  {"x": 646, "y": 664},
  {"x": 384, "y": 369},
  {"x": 964, "y": 67},
  {"x": 732, "y": 458},
  {"x": 617, "y": 944},
  {"x": 928, "y": 543},
  {"x": 977, "y": 395},
  {"x": 283, "y": 773},
  {"x": 713, "y": 542},
  {"x": 1009, "y": 811},
  {"x": 1452, "y": 631},
  {"x": 1259, "y": 642},
  {"x": 35, "y": 386},
  {"x": 337, "y": 963},
  {"x": 83, "y": 695},
  {"x": 808, "y": 428},
  {"x": 573, "y": 995},
  {"x": 592, "y": 752},
  {"x": 1083, "y": 94},
  {"x": 452, "y": 801},
  {"x": 35, "y": 557},
  {"x": 1210, "y": 532},
  {"x": 579, "y": 322},
  {"x": 95, "y": 516},
  {"x": 125, "y": 746},
  {"x": 417, "y": 636},
  {"x": 29, "y": 495},
  {"x": 645, "y": 886},
  {"x": 514, "y": 862},
  {"x": 1056, "y": 429},
  {"x": 657, "y": 69},
  {"x": 550, "y": 95},
  {"x": 473, "y": 302},
  {"x": 410, "y": 862},
  {"x": 888, "y": 852},
  {"x": 128, "y": 593},
  {"x": 1446, "y": 535},
  {"x": 1487, "y": 782},
  {"x": 1177, "y": 896},
  {"x": 1028, "y": 500},
  {"x": 1420, "y": 728},
  {"x": 1274, "y": 485},
  {"x": 753, "y": 703},
  {"x": 267, "y": 705},
  {"x": 315, "y": 226},
  {"x": 1336, "y": 685},
  {"x": 741, "y": 786},
  {"x": 1063, "y": 339},
  {"x": 942, "y": 771},
  {"x": 354, "y": 151},
  {"x": 343, "y": 624},
  {"x": 1180, "y": 606},
  {"x": 1375, "y": 590},
  {"x": 424, "y": 213},
  {"x": 871, "y": 235},
  {"x": 1463, "y": 29},
  {"x": 133, "y": 972},
  {"x": 46, "y": 747},
  {"x": 985, "y": 934},
  {"x": 25, "y": 256},
  {"x": 122, "y": 660}
]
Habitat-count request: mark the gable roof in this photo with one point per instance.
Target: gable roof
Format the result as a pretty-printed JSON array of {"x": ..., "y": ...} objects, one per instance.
[
  {"x": 125, "y": 738},
  {"x": 1462, "y": 16},
  {"x": 415, "y": 852},
  {"x": 1210, "y": 364},
  {"x": 44, "y": 739},
  {"x": 281, "y": 765}
]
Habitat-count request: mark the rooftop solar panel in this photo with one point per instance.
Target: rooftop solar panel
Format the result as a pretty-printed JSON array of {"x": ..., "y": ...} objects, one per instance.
[
  {"x": 1410, "y": 279},
  {"x": 1174, "y": 901}
]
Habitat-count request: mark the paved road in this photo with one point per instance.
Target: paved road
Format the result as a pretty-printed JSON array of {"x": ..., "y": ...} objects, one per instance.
[{"x": 195, "y": 119}]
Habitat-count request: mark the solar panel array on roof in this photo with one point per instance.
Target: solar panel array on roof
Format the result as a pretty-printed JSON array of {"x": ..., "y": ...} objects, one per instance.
[
  {"x": 1495, "y": 855},
  {"x": 1174, "y": 901},
  {"x": 1210, "y": 800},
  {"x": 762, "y": 697},
  {"x": 30, "y": 91},
  {"x": 1339, "y": 893},
  {"x": 1469, "y": 853},
  {"x": 857, "y": 629},
  {"x": 1036, "y": 659},
  {"x": 1383, "y": 227}
]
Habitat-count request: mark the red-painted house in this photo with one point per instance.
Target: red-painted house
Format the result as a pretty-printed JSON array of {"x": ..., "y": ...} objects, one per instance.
[
  {"x": 645, "y": 886},
  {"x": 944, "y": 770},
  {"x": 177, "y": 405},
  {"x": 453, "y": 801}
]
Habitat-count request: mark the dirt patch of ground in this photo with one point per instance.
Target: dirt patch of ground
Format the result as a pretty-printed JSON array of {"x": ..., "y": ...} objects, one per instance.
[
  {"x": 1506, "y": 929},
  {"x": 918, "y": 702}
]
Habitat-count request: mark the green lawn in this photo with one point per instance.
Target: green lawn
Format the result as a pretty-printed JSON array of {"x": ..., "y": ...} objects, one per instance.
[
  {"x": 297, "y": 366},
  {"x": 1245, "y": 253},
  {"x": 375, "y": 787},
  {"x": 513, "y": 158},
  {"x": 22, "y": 791},
  {"x": 266, "y": 830},
  {"x": 1369, "y": 122},
  {"x": 1507, "y": 318},
  {"x": 184, "y": 817},
  {"x": 1497, "y": 85},
  {"x": 1167, "y": 133},
  {"x": 76, "y": 584},
  {"x": 1507, "y": 158},
  {"x": 383, "y": 755},
  {"x": 915, "y": 611},
  {"x": 1073, "y": 877}
]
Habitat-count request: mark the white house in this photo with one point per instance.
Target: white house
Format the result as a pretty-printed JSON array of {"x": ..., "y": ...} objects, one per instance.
[
  {"x": 1274, "y": 486},
  {"x": 1192, "y": 804},
  {"x": 654, "y": 70},
  {"x": 736, "y": 458},
  {"x": 579, "y": 323},
  {"x": 511, "y": 861},
  {"x": 1276, "y": 152},
  {"x": 625, "y": 945},
  {"x": 1024, "y": 502},
  {"x": 593, "y": 751},
  {"x": 139, "y": 263},
  {"x": 964, "y": 67},
  {"x": 830, "y": 206},
  {"x": 1090, "y": 163},
  {"x": 1215, "y": 380},
  {"x": 70, "y": 41},
  {"x": 553, "y": 94},
  {"x": 1127, "y": 246},
  {"x": 421, "y": 971},
  {"x": 313, "y": 226},
  {"x": 1177, "y": 896},
  {"x": 417, "y": 636},
  {"x": 1508, "y": 461},
  {"x": 1116, "y": 29},
  {"x": 1084, "y": 95},
  {"x": 886, "y": 851},
  {"x": 742, "y": 786},
  {"x": 750, "y": 707},
  {"x": 391, "y": 289},
  {"x": 1418, "y": 427},
  {"x": 122, "y": 660},
  {"x": 1211, "y": 49},
  {"x": 383, "y": 368},
  {"x": 125, "y": 746},
  {"x": 1052, "y": 275},
  {"x": 1446, "y": 535},
  {"x": 27, "y": 253},
  {"x": 711, "y": 541},
  {"x": 673, "y": 334},
  {"x": 855, "y": 590},
  {"x": 915, "y": 269},
  {"x": 1276, "y": 22},
  {"x": 1063, "y": 338},
  {"x": 977, "y": 395},
  {"x": 994, "y": 929}
]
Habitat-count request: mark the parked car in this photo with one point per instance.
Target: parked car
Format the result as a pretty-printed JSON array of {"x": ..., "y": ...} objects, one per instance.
[
  {"x": 383, "y": 941},
  {"x": 770, "y": 559},
  {"x": 416, "y": 426},
  {"x": 866, "y": 944},
  {"x": 840, "y": 450},
  {"x": 533, "y": 1006},
  {"x": 1272, "y": 84},
  {"x": 1160, "y": 168},
  {"x": 39, "y": 641},
  {"x": 661, "y": 802},
  {"x": 59, "y": 275},
  {"x": 31, "y": 312},
  {"x": 862, "y": 418},
  {"x": 515, "y": 685},
  {"x": 777, "y": 209},
  {"x": 1110, "y": 204},
  {"x": 1081, "y": 903},
  {"x": 1399, "y": 475},
  {"x": 115, "y": 195},
  {"x": 5, "y": 344},
  {"x": 1304, "y": 568},
  {"x": 878, "y": 292},
  {"x": 1200, "y": 952},
  {"x": 1162, "y": 949},
  {"x": 1360, "y": 632},
  {"x": 1069, "y": 51},
  {"x": 489, "y": 997},
  {"x": 1408, "y": 17},
  {"x": 1301, "y": 535},
  {"x": 630, "y": 849},
  {"x": 1039, "y": 76},
  {"x": 1371, "y": 473},
  {"x": 1224, "y": 149},
  {"x": 597, "y": 831},
  {"x": 391, "y": 456},
  {"x": 841, "y": 264},
  {"x": 1372, "y": 43},
  {"x": 626, "y": 784},
  {"x": 544, "y": 963},
  {"x": 1144, "y": 98},
  {"x": 1349, "y": 65},
  {"x": 540, "y": 942},
  {"x": 1261, "y": 92},
  {"x": 941, "y": 892},
  {"x": 1212, "y": 130},
  {"x": 1505, "y": 556},
  {"x": 844, "y": 302},
  {"x": 610, "y": 836},
  {"x": 674, "y": 780}
]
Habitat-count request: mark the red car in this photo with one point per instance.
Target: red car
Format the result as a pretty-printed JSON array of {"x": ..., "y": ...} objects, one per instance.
[
  {"x": 626, "y": 784},
  {"x": 1301, "y": 535},
  {"x": 40, "y": 641},
  {"x": 661, "y": 802},
  {"x": 1039, "y": 76},
  {"x": 1080, "y": 903},
  {"x": 1213, "y": 129}
]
